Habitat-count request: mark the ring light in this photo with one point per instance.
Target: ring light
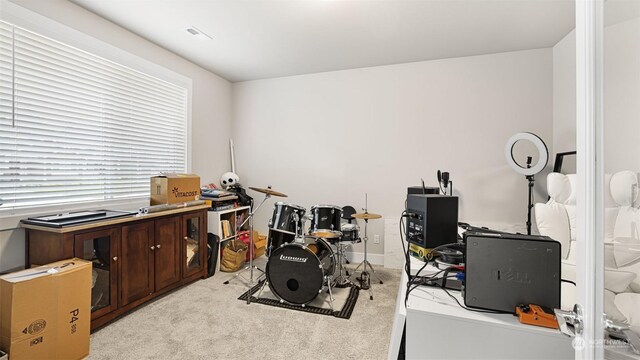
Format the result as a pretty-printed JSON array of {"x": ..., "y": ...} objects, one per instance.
[
  {"x": 529, "y": 171},
  {"x": 543, "y": 153}
]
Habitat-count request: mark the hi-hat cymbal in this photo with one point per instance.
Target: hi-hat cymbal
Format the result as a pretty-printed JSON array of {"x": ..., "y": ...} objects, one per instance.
[
  {"x": 268, "y": 191},
  {"x": 366, "y": 216}
]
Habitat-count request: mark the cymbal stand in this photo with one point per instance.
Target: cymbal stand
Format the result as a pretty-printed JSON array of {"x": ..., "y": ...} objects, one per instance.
[
  {"x": 251, "y": 266},
  {"x": 365, "y": 279}
]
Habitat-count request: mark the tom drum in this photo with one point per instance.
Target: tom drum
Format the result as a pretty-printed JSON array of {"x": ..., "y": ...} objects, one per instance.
[
  {"x": 287, "y": 218},
  {"x": 350, "y": 234},
  {"x": 325, "y": 221}
]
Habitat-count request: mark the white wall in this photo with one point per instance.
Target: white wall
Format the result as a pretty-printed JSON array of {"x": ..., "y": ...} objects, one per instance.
[
  {"x": 621, "y": 95},
  {"x": 329, "y": 138},
  {"x": 564, "y": 94},
  {"x": 211, "y": 111}
]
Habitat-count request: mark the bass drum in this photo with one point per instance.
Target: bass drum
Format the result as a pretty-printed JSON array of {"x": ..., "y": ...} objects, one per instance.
[
  {"x": 277, "y": 239},
  {"x": 296, "y": 272}
]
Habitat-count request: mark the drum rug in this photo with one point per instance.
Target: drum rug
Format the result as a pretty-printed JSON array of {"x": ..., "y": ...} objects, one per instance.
[{"x": 347, "y": 296}]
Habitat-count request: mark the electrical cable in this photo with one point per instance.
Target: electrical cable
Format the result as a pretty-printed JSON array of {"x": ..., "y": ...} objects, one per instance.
[
  {"x": 401, "y": 229},
  {"x": 568, "y": 281},
  {"x": 407, "y": 260},
  {"x": 444, "y": 246},
  {"x": 410, "y": 278},
  {"x": 417, "y": 281},
  {"x": 406, "y": 250},
  {"x": 425, "y": 279}
]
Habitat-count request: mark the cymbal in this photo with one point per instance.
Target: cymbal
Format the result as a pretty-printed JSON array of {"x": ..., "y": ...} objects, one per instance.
[
  {"x": 366, "y": 216},
  {"x": 268, "y": 191}
]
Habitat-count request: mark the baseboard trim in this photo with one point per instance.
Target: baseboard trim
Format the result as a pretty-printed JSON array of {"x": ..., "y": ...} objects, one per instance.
[{"x": 357, "y": 257}]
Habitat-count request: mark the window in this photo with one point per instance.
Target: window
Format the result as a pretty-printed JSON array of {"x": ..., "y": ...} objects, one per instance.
[{"x": 77, "y": 127}]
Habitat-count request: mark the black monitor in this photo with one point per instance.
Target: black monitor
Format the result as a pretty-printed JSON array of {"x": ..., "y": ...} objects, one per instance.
[{"x": 565, "y": 163}]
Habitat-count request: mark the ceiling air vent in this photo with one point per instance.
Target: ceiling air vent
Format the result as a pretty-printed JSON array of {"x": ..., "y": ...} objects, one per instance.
[{"x": 198, "y": 33}]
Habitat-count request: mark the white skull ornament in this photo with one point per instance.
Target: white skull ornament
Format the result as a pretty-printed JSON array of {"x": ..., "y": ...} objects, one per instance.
[{"x": 229, "y": 179}]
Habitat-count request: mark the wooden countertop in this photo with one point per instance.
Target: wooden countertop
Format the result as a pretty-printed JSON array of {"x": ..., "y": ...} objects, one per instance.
[{"x": 115, "y": 221}]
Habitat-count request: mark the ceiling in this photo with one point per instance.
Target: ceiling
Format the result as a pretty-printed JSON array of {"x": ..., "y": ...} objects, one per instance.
[{"x": 273, "y": 38}]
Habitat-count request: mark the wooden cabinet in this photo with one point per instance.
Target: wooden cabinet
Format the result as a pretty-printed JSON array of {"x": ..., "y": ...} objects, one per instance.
[
  {"x": 134, "y": 259},
  {"x": 101, "y": 248},
  {"x": 167, "y": 252},
  {"x": 194, "y": 244},
  {"x": 137, "y": 247}
]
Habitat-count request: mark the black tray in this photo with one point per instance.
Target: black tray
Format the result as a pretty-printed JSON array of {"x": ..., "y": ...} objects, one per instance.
[{"x": 75, "y": 218}]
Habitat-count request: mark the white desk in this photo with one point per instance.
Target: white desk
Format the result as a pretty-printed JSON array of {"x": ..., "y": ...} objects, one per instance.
[{"x": 437, "y": 328}]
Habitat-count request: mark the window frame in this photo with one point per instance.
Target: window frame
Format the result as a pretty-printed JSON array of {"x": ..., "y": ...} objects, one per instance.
[{"x": 32, "y": 21}]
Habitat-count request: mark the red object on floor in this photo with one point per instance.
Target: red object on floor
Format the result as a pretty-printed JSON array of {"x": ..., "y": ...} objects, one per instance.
[{"x": 245, "y": 238}]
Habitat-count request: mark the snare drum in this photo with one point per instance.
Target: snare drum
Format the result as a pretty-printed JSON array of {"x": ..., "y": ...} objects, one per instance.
[
  {"x": 350, "y": 233},
  {"x": 325, "y": 221},
  {"x": 284, "y": 218},
  {"x": 297, "y": 273}
]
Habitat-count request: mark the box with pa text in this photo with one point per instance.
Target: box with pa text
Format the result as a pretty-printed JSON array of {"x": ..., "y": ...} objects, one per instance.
[
  {"x": 45, "y": 312},
  {"x": 174, "y": 188}
]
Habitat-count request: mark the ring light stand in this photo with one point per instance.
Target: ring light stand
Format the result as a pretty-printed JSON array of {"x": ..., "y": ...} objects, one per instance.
[{"x": 529, "y": 171}]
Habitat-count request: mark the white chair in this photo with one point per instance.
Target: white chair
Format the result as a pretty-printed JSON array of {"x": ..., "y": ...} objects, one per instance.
[{"x": 557, "y": 219}]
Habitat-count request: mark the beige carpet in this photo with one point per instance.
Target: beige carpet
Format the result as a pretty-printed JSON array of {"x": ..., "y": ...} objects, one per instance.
[{"x": 205, "y": 320}]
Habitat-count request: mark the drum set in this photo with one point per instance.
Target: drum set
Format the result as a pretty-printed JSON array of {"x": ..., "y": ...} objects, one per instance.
[{"x": 301, "y": 264}]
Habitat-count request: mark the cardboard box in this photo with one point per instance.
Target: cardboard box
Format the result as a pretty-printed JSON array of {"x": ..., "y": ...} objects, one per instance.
[
  {"x": 45, "y": 312},
  {"x": 174, "y": 188},
  {"x": 259, "y": 243}
]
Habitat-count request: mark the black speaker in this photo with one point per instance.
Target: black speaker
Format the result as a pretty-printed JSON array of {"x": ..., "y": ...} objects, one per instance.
[
  {"x": 422, "y": 190},
  {"x": 432, "y": 220}
]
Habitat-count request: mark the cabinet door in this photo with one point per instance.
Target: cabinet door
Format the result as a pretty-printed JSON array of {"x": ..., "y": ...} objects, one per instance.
[
  {"x": 137, "y": 249},
  {"x": 167, "y": 258},
  {"x": 101, "y": 248},
  {"x": 194, "y": 244}
]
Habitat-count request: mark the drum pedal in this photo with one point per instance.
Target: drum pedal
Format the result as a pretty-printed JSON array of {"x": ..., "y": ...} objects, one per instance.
[{"x": 365, "y": 280}]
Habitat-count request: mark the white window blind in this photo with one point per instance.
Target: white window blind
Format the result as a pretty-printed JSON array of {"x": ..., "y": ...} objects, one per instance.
[{"x": 77, "y": 127}]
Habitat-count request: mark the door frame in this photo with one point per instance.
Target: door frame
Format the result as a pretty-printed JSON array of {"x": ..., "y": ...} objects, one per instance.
[{"x": 590, "y": 179}]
